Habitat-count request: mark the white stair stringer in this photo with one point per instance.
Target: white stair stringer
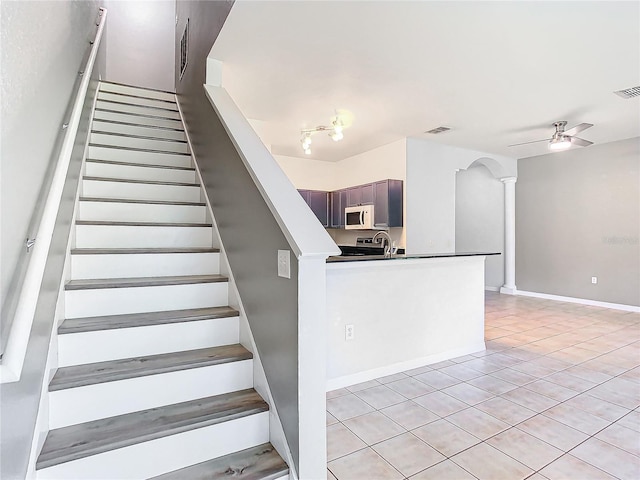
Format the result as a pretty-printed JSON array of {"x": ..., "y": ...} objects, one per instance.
[{"x": 151, "y": 378}]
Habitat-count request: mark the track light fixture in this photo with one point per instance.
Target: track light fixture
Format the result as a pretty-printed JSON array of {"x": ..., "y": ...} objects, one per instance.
[{"x": 334, "y": 131}]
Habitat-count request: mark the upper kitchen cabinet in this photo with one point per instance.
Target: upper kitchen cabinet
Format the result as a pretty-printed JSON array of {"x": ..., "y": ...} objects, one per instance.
[
  {"x": 360, "y": 195},
  {"x": 318, "y": 201},
  {"x": 338, "y": 204},
  {"x": 387, "y": 203}
]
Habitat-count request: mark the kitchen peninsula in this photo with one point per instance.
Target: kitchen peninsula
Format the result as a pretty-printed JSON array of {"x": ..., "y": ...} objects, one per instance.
[{"x": 404, "y": 311}]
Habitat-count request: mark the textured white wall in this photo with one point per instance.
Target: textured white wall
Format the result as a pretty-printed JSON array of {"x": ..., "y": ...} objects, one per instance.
[
  {"x": 431, "y": 191},
  {"x": 140, "y": 43},
  {"x": 43, "y": 44},
  {"x": 480, "y": 219}
]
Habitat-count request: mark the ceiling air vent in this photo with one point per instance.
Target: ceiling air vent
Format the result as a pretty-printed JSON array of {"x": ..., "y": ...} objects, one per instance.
[
  {"x": 629, "y": 92},
  {"x": 435, "y": 131}
]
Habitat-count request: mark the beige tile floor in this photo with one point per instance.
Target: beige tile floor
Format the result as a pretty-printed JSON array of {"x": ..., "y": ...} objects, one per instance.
[{"x": 556, "y": 395}]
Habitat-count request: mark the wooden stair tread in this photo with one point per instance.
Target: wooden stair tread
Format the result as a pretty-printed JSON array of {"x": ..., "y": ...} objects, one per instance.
[
  {"x": 113, "y": 370},
  {"x": 256, "y": 463},
  {"x": 130, "y": 320},
  {"x": 150, "y": 182},
  {"x": 133, "y": 200},
  {"x": 97, "y": 283},
  {"x": 99, "y": 436},
  {"x": 137, "y": 149},
  {"x": 137, "y": 251},
  {"x": 143, "y": 165},
  {"x": 112, "y": 223},
  {"x": 173, "y": 102},
  {"x": 117, "y": 122},
  {"x": 152, "y": 107}
]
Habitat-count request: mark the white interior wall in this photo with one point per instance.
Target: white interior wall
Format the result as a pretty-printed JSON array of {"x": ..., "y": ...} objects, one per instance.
[
  {"x": 140, "y": 43},
  {"x": 479, "y": 219},
  {"x": 430, "y": 191}
]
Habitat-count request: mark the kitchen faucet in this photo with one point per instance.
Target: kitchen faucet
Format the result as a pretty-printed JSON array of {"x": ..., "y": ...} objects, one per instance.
[{"x": 387, "y": 237}]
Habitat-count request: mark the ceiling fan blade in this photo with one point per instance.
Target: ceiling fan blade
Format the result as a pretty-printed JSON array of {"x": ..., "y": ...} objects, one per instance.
[
  {"x": 527, "y": 143},
  {"x": 577, "y": 129},
  {"x": 580, "y": 142}
]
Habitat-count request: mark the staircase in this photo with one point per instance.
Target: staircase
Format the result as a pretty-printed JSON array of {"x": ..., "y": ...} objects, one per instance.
[{"x": 152, "y": 381}]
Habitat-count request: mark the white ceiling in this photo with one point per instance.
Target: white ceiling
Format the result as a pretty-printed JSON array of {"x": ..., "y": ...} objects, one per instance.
[{"x": 496, "y": 73}]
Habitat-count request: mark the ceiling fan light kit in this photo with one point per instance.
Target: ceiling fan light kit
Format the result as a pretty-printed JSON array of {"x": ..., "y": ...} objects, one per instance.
[
  {"x": 563, "y": 139},
  {"x": 334, "y": 131}
]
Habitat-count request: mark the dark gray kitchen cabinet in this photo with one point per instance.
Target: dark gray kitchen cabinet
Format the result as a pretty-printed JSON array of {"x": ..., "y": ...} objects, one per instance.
[
  {"x": 338, "y": 204},
  {"x": 360, "y": 195},
  {"x": 387, "y": 203},
  {"x": 318, "y": 201}
]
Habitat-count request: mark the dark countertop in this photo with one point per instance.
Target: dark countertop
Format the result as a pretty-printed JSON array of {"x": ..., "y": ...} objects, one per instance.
[{"x": 360, "y": 258}]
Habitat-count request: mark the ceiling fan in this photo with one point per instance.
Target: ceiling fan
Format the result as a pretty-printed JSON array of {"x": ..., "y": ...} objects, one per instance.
[{"x": 563, "y": 139}]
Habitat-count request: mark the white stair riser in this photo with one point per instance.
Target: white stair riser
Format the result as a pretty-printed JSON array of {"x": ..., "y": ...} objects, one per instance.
[
  {"x": 166, "y": 454},
  {"x": 142, "y": 92},
  {"x": 112, "y": 236},
  {"x": 141, "y": 212},
  {"x": 137, "y": 100},
  {"x": 115, "y": 301},
  {"x": 140, "y": 191},
  {"x": 101, "y": 346},
  {"x": 154, "y": 112},
  {"x": 134, "y": 142},
  {"x": 84, "y": 404},
  {"x": 137, "y": 119},
  {"x": 134, "y": 156},
  {"x": 133, "y": 172},
  {"x": 138, "y": 130},
  {"x": 143, "y": 265}
]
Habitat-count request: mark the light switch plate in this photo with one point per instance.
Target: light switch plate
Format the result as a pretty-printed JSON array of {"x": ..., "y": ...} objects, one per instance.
[{"x": 284, "y": 263}]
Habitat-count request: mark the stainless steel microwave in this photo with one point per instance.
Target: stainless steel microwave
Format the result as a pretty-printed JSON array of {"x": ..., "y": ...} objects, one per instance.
[{"x": 358, "y": 218}]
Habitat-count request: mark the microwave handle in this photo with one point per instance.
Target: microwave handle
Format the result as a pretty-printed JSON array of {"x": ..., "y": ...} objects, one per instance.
[{"x": 361, "y": 217}]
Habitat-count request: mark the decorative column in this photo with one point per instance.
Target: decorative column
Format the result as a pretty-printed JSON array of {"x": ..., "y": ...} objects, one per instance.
[{"x": 509, "y": 286}]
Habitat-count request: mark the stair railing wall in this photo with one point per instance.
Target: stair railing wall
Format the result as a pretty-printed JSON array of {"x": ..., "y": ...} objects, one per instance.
[
  {"x": 258, "y": 212},
  {"x": 25, "y": 368}
]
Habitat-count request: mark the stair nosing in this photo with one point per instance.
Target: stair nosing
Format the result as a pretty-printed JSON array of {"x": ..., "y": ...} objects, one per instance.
[
  {"x": 141, "y": 106},
  {"x": 107, "y": 82},
  {"x": 145, "y": 365},
  {"x": 134, "y": 164},
  {"x": 225, "y": 464},
  {"x": 117, "y": 122},
  {"x": 141, "y": 251},
  {"x": 111, "y": 223},
  {"x": 151, "y": 202},
  {"x": 137, "y": 282},
  {"x": 147, "y": 319},
  {"x": 138, "y": 96},
  {"x": 132, "y": 180},
  {"x": 136, "y": 149},
  {"x": 143, "y": 115},
  {"x": 154, "y": 429},
  {"x": 142, "y": 137}
]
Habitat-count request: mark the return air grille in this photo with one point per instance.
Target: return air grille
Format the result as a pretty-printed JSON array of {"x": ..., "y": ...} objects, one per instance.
[
  {"x": 629, "y": 92},
  {"x": 438, "y": 130},
  {"x": 184, "y": 49}
]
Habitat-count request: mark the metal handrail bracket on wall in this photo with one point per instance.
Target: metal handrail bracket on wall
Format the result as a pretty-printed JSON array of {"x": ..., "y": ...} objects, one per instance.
[{"x": 21, "y": 322}]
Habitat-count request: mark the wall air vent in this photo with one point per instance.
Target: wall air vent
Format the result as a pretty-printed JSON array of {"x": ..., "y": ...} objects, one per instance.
[
  {"x": 184, "y": 49},
  {"x": 435, "y": 131},
  {"x": 629, "y": 92}
]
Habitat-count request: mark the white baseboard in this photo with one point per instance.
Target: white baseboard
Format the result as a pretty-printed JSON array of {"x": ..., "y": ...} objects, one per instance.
[
  {"x": 348, "y": 380},
  {"x": 491, "y": 289},
  {"x": 582, "y": 301}
]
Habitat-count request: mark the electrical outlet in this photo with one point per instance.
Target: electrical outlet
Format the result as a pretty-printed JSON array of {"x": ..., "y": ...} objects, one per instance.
[
  {"x": 349, "y": 332},
  {"x": 594, "y": 280},
  {"x": 284, "y": 263}
]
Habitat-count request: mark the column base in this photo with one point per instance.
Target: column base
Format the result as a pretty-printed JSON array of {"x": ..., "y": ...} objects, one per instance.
[{"x": 509, "y": 290}]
